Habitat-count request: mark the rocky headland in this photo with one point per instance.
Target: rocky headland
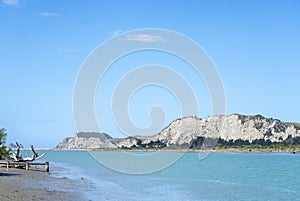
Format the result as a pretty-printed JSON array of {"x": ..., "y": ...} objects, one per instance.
[{"x": 196, "y": 133}]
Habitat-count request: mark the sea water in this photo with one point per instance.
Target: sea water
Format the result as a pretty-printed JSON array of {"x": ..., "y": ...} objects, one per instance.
[{"x": 218, "y": 176}]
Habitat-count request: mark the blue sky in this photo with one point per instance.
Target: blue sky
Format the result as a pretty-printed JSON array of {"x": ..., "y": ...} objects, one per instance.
[{"x": 254, "y": 44}]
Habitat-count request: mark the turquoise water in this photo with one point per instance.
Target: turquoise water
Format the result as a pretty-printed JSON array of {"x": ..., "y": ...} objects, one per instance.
[{"x": 220, "y": 176}]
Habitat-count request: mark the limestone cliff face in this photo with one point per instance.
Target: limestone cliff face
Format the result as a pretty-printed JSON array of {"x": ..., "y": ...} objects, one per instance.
[
  {"x": 232, "y": 127},
  {"x": 184, "y": 131}
]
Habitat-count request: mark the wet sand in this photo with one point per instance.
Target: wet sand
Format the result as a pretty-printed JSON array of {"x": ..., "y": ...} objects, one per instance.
[{"x": 18, "y": 184}]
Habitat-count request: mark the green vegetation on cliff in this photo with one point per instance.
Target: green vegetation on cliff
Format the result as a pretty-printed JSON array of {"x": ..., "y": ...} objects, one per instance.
[{"x": 200, "y": 143}]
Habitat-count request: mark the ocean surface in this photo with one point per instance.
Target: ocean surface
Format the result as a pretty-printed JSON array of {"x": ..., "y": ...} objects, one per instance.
[{"x": 219, "y": 176}]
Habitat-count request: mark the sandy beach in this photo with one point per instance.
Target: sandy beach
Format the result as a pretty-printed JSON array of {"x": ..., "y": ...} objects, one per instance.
[{"x": 18, "y": 184}]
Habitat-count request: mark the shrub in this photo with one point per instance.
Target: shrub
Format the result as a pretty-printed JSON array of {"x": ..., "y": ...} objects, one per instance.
[{"x": 3, "y": 151}]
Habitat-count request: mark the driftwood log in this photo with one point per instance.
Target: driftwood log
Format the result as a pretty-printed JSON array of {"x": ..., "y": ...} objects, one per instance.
[{"x": 17, "y": 157}]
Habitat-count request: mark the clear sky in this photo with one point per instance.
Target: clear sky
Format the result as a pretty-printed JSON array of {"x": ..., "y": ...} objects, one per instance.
[{"x": 254, "y": 44}]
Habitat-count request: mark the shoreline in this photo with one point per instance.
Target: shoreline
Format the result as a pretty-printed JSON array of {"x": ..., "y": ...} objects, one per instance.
[
  {"x": 19, "y": 184},
  {"x": 217, "y": 150}
]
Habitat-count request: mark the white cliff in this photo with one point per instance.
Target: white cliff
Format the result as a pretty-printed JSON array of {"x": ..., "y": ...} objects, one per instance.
[{"x": 186, "y": 131}]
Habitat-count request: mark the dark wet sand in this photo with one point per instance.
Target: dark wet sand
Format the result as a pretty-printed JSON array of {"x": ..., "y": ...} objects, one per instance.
[{"x": 18, "y": 184}]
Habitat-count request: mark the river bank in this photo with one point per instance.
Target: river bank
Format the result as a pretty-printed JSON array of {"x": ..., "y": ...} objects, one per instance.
[
  {"x": 245, "y": 149},
  {"x": 19, "y": 184}
]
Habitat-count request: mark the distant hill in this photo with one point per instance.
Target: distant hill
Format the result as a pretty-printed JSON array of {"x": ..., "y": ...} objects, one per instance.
[
  {"x": 192, "y": 132},
  {"x": 84, "y": 140},
  {"x": 101, "y": 136}
]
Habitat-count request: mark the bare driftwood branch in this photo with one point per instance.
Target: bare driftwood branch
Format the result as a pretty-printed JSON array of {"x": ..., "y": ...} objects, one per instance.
[
  {"x": 35, "y": 155},
  {"x": 16, "y": 156}
]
